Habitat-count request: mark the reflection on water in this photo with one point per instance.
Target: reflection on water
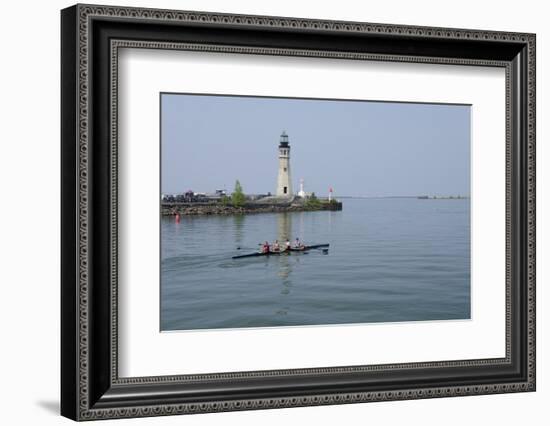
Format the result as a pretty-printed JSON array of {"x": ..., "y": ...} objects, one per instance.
[
  {"x": 238, "y": 225},
  {"x": 389, "y": 260},
  {"x": 284, "y": 227},
  {"x": 284, "y": 232}
]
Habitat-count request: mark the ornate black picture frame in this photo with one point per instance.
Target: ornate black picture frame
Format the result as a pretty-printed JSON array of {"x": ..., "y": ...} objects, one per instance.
[{"x": 91, "y": 387}]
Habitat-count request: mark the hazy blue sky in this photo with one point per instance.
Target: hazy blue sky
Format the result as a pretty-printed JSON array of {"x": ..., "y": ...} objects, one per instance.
[{"x": 358, "y": 148}]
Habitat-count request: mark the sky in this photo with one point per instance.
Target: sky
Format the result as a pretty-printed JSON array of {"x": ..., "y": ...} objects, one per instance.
[{"x": 359, "y": 148}]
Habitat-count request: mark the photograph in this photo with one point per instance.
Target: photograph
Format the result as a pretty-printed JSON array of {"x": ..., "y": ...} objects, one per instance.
[
  {"x": 279, "y": 211},
  {"x": 264, "y": 209}
]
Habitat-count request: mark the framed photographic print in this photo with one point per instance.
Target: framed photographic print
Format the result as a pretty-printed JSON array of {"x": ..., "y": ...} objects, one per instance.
[{"x": 263, "y": 212}]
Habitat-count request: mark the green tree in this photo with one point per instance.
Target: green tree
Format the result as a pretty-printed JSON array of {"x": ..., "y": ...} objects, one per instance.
[{"x": 237, "y": 197}]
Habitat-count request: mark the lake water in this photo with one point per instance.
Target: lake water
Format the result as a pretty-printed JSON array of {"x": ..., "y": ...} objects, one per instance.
[{"x": 390, "y": 259}]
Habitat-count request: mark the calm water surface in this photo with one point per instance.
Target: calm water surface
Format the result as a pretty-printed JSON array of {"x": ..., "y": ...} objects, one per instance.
[{"x": 392, "y": 259}]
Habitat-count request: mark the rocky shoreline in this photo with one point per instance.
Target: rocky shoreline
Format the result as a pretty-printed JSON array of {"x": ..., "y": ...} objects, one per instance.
[{"x": 192, "y": 209}]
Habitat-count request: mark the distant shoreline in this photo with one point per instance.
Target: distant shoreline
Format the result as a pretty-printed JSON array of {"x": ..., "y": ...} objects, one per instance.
[{"x": 418, "y": 197}]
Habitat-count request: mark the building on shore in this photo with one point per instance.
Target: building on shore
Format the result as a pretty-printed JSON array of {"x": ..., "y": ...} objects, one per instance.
[{"x": 284, "y": 179}]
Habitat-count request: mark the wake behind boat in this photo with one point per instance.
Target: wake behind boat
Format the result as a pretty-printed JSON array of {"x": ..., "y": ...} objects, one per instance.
[{"x": 287, "y": 251}]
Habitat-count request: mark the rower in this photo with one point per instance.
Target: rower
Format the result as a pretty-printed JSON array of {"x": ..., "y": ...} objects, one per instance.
[
  {"x": 265, "y": 247},
  {"x": 298, "y": 244},
  {"x": 275, "y": 246},
  {"x": 287, "y": 244}
]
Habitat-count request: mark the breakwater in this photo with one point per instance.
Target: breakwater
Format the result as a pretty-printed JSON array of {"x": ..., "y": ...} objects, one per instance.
[{"x": 194, "y": 208}]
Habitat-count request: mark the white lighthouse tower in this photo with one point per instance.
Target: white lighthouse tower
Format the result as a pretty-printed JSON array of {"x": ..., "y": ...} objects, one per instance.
[
  {"x": 284, "y": 182},
  {"x": 301, "y": 192}
]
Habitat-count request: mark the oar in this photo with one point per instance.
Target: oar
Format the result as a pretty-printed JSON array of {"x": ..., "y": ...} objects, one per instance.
[{"x": 239, "y": 247}]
